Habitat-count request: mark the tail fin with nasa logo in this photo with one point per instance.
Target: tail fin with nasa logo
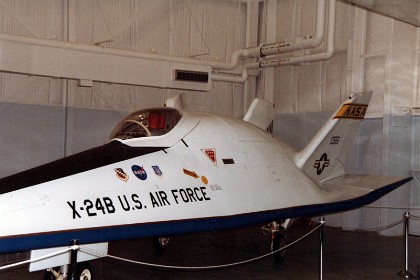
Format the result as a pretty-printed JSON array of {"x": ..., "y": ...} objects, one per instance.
[{"x": 322, "y": 158}]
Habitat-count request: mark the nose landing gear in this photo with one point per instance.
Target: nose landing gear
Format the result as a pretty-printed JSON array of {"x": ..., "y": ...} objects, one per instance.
[{"x": 160, "y": 243}]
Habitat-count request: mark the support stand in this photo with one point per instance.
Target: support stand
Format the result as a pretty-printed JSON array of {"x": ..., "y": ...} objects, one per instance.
[
  {"x": 73, "y": 261},
  {"x": 406, "y": 274},
  {"x": 321, "y": 240}
]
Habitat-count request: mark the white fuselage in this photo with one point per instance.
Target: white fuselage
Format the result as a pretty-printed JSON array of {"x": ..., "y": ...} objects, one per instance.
[{"x": 222, "y": 167}]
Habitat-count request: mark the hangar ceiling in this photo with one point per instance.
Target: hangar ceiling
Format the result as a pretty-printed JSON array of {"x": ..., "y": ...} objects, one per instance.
[{"x": 405, "y": 10}]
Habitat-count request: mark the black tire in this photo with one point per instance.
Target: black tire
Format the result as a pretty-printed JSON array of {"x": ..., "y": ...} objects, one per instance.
[
  {"x": 279, "y": 241},
  {"x": 84, "y": 271},
  {"x": 49, "y": 276}
]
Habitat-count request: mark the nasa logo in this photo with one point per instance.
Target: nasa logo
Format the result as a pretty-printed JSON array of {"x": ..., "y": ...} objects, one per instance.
[
  {"x": 321, "y": 164},
  {"x": 139, "y": 172},
  {"x": 157, "y": 170},
  {"x": 121, "y": 174},
  {"x": 352, "y": 111}
]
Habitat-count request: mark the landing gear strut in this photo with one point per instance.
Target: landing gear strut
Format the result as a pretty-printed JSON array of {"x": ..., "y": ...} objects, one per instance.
[
  {"x": 84, "y": 272},
  {"x": 278, "y": 239}
]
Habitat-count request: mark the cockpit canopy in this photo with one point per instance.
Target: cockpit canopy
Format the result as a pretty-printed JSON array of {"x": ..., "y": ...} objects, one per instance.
[{"x": 146, "y": 123}]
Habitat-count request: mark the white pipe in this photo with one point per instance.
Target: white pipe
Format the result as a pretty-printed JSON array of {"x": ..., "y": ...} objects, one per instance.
[
  {"x": 236, "y": 55},
  {"x": 250, "y": 52},
  {"x": 287, "y": 45},
  {"x": 290, "y": 60},
  {"x": 231, "y": 78},
  {"x": 306, "y": 58},
  {"x": 298, "y": 43},
  {"x": 284, "y": 46}
]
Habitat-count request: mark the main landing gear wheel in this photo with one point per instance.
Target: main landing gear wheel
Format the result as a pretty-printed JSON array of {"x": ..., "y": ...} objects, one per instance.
[
  {"x": 84, "y": 271},
  {"x": 160, "y": 242},
  {"x": 278, "y": 240}
]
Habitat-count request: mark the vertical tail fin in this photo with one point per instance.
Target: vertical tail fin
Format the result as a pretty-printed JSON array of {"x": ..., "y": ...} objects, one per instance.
[
  {"x": 320, "y": 159},
  {"x": 260, "y": 113},
  {"x": 175, "y": 102}
]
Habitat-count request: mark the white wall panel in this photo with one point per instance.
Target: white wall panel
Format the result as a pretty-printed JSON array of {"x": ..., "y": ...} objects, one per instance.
[
  {"x": 30, "y": 90},
  {"x": 401, "y": 64},
  {"x": 417, "y": 60},
  {"x": 333, "y": 91},
  {"x": 82, "y": 17},
  {"x": 285, "y": 88},
  {"x": 316, "y": 86},
  {"x": 148, "y": 34},
  {"x": 387, "y": 57},
  {"x": 309, "y": 88},
  {"x": 374, "y": 80},
  {"x": 183, "y": 28},
  {"x": 112, "y": 21},
  {"x": 307, "y": 12},
  {"x": 207, "y": 29},
  {"x": 343, "y": 25},
  {"x": 297, "y": 18},
  {"x": 102, "y": 96},
  {"x": 41, "y": 19},
  {"x": 376, "y": 34},
  {"x": 288, "y": 19},
  {"x": 193, "y": 28}
]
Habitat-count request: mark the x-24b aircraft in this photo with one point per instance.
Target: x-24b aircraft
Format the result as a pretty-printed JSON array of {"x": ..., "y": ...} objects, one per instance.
[{"x": 168, "y": 172}]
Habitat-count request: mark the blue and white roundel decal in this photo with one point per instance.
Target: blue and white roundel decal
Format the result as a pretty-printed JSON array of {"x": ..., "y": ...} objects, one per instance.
[{"x": 139, "y": 172}]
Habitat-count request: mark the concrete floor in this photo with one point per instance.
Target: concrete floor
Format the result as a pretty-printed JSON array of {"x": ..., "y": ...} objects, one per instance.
[{"x": 347, "y": 255}]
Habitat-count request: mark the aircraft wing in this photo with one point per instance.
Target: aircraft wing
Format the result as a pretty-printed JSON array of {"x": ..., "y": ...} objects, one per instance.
[{"x": 355, "y": 190}]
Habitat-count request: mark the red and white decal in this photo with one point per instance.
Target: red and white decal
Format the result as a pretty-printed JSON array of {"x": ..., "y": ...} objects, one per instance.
[{"x": 211, "y": 154}]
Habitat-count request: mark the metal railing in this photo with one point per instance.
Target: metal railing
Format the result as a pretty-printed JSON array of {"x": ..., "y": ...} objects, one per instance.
[{"x": 405, "y": 273}]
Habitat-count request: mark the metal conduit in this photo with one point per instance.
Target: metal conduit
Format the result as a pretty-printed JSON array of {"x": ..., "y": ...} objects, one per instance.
[
  {"x": 254, "y": 52},
  {"x": 298, "y": 43},
  {"x": 307, "y": 58},
  {"x": 290, "y": 60},
  {"x": 302, "y": 42}
]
